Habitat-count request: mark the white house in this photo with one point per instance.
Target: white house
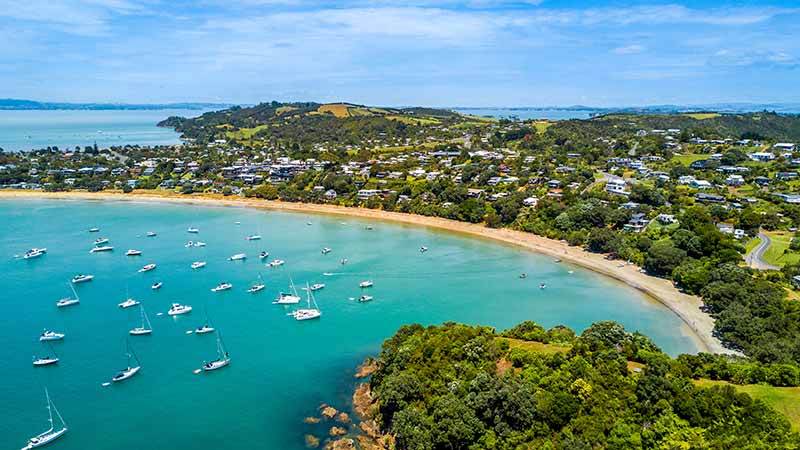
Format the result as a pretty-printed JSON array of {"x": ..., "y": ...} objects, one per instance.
[
  {"x": 530, "y": 201},
  {"x": 761, "y": 156},
  {"x": 734, "y": 180},
  {"x": 785, "y": 146},
  {"x": 616, "y": 186},
  {"x": 666, "y": 219},
  {"x": 700, "y": 184}
]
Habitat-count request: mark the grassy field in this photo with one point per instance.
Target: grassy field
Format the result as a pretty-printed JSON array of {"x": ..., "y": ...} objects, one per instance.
[
  {"x": 542, "y": 126},
  {"x": 785, "y": 400},
  {"x": 778, "y": 252},
  {"x": 414, "y": 120},
  {"x": 688, "y": 158},
  {"x": 337, "y": 109},
  {"x": 535, "y": 346},
  {"x": 751, "y": 244},
  {"x": 245, "y": 133},
  {"x": 701, "y": 116}
]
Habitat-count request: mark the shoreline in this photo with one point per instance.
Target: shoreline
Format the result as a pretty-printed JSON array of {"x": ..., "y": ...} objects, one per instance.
[{"x": 686, "y": 307}]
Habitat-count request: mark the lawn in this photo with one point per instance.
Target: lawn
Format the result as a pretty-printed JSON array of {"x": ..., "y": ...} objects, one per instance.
[
  {"x": 245, "y": 133},
  {"x": 751, "y": 244},
  {"x": 542, "y": 126},
  {"x": 778, "y": 253},
  {"x": 688, "y": 158},
  {"x": 337, "y": 109},
  {"x": 785, "y": 400},
  {"x": 414, "y": 120},
  {"x": 701, "y": 116},
  {"x": 535, "y": 346}
]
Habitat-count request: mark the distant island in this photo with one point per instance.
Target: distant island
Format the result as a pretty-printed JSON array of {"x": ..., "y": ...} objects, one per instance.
[{"x": 11, "y": 104}]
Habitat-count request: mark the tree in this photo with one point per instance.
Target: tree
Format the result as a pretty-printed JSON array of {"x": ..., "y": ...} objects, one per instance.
[{"x": 663, "y": 258}]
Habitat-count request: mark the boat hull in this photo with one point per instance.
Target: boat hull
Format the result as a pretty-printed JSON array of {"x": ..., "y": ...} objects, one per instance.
[
  {"x": 140, "y": 332},
  {"x": 216, "y": 365},
  {"x": 45, "y": 362},
  {"x": 45, "y": 439},
  {"x": 129, "y": 372}
]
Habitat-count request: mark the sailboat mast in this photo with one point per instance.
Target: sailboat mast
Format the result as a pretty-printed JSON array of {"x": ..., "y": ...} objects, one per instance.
[{"x": 49, "y": 410}]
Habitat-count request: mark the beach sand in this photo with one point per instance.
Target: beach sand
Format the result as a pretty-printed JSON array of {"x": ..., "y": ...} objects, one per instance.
[{"x": 687, "y": 307}]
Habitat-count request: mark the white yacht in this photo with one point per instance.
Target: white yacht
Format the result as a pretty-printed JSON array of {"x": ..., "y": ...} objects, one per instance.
[
  {"x": 365, "y": 284},
  {"x": 263, "y": 255},
  {"x": 100, "y": 241},
  {"x": 308, "y": 312},
  {"x": 238, "y": 257},
  {"x": 133, "y": 252},
  {"x": 222, "y": 287},
  {"x": 258, "y": 286},
  {"x": 145, "y": 328},
  {"x": 199, "y": 244},
  {"x": 314, "y": 287},
  {"x": 178, "y": 309},
  {"x": 193, "y": 230},
  {"x": 102, "y": 248},
  {"x": 151, "y": 234},
  {"x": 223, "y": 358},
  {"x": 51, "y": 434},
  {"x": 253, "y": 237},
  {"x": 147, "y": 268},
  {"x": 326, "y": 250},
  {"x": 131, "y": 369},
  {"x": 276, "y": 263},
  {"x": 94, "y": 230},
  {"x": 365, "y": 298},
  {"x": 48, "y": 335},
  {"x": 156, "y": 286},
  {"x": 34, "y": 253},
  {"x": 198, "y": 264},
  {"x": 46, "y": 360},
  {"x": 128, "y": 303},
  {"x": 288, "y": 299},
  {"x": 69, "y": 301},
  {"x": 81, "y": 278}
]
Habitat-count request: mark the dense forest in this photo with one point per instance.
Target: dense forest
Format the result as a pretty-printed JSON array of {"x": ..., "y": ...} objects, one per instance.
[{"x": 461, "y": 387}]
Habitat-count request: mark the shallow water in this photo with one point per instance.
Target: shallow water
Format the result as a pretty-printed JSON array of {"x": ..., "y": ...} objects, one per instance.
[{"x": 281, "y": 369}]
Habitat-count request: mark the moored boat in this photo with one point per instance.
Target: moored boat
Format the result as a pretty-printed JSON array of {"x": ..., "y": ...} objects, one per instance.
[
  {"x": 81, "y": 278},
  {"x": 147, "y": 268},
  {"x": 145, "y": 328},
  {"x": 46, "y": 360},
  {"x": 151, "y": 234},
  {"x": 69, "y": 301},
  {"x": 178, "y": 309},
  {"x": 198, "y": 264},
  {"x": 51, "y": 434},
  {"x": 366, "y": 284},
  {"x": 253, "y": 237},
  {"x": 102, "y": 248},
  {"x": 276, "y": 263},
  {"x": 131, "y": 369},
  {"x": 128, "y": 303},
  {"x": 34, "y": 253},
  {"x": 223, "y": 358},
  {"x": 193, "y": 230},
  {"x": 100, "y": 241},
  {"x": 222, "y": 287},
  {"x": 133, "y": 252},
  {"x": 365, "y": 298},
  {"x": 156, "y": 286},
  {"x": 288, "y": 298},
  {"x": 326, "y": 250},
  {"x": 237, "y": 257},
  {"x": 48, "y": 335}
]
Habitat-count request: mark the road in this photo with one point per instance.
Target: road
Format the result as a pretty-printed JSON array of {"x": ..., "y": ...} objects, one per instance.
[{"x": 755, "y": 259}]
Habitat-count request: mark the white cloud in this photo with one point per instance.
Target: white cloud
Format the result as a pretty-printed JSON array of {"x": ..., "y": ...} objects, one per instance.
[{"x": 629, "y": 49}]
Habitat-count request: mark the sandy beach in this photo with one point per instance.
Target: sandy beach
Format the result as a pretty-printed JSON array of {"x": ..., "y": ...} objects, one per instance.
[{"x": 687, "y": 307}]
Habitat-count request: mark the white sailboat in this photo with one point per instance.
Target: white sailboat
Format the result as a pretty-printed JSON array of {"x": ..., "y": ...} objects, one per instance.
[
  {"x": 308, "y": 312},
  {"x": 69, "y": 301},
  {"x": 151, "y": 234},
  {"x": 100, "y": 241},
  {"x": 253, "y": 237},
  {"x": 46, "y": 360},
  {"x": 288, "y": 298},
  {"x": 365, "y": 298},
  {"x": 51, "y": 434},
  {"x": 193, "y": 230},
  {"x": 145, "y": 328},
  {"x": 205, "y": 328},
  {"x": 48, "y": 335},
  {"x": 81, "y": 278},
  {"x": 178, "y": 309},
  {"x": 223, "y": 358},
  {"x": 315, "y": 287},
  {"x": 147, "y": 268},
  {"x": 222, "y": 287},
  {"x": 128, "y": 302},
  {"x": 276, "y": 263},
  {"x": 198, "y": 264},
  {"x": 131, "y": 369},
  {"x": 258, "y": 286}
]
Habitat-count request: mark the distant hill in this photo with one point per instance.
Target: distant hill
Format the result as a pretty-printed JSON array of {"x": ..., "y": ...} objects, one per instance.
[{"x": 18, "y": 104}]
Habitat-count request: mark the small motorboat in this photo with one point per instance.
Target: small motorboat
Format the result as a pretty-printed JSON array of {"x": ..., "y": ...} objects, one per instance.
[
  {"x": 189, "y": 244},
  {"x": 151, "y": 234},
  {"x": 34, "y": 253},
  {"x": 365, "y": 284},
  {"x": 343, "y": 261},
  {"x": 368, "y": 227},
  {"x": 365, "y": 298},
  {"x": 276, "y": 263},
  {"x": 48, "y": 335},
  {"x": 128, "y": 303},
  {"x": 315, "y": 287},
  {"x": 199, "y": 244},
  {"x": 198, "y": 264},
  {"x": 222, "y": 287},
  {"x": 147, "y": 268},
  {"x": 193, "y": 230},
  {"x": 156, "y": 286},
  {"x": 542, "y": 286},
  {"x": 94, "y": 230},
  {"x": 133, "y": 252},
  {"x": 263, "y": 255},
  {"x": 100, "y": 241},
  {"x": 80, "y": 278},
  {"x": 64, "y": 302},
  {"x": 102, "y": 248},
  {"x": 523, "y": 275},
  {"x": 256, "y": 287},
  {"x": 238, "y": 257},
  {"x": 423, "y": 249},
  {"x": 206, "y": 328},
  {"x": 178, "y": 309},
  {"x": 326, "y": 250},
  {"x": 253, "y": 237},
  {"x": 557, "y": 260}
]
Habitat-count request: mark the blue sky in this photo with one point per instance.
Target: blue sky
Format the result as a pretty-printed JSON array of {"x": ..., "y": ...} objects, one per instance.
[{"x": 391, "y": 52}]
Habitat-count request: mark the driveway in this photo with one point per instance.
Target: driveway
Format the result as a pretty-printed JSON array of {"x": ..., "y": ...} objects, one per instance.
[{"x": 755, "y": 259}]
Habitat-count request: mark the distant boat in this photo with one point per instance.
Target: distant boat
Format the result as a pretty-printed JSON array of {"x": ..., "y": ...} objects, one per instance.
[
  {"x": 523, "y": 275},
  {"x": 151, "y": 234},
  {"x": 205, "y": 328},
  {"x": 69, "y": 301},
  {"x": 192, "y": 230},
  {"x": 368, "y": 227},
  {"x": 557, "y": 260},
  {"x": 315, "y": 287},
  {"x": 94, "y": 230},
  {"x": 34, "y": 253},
  {"x": 258, "y": 286},
  {"x": 343, "y": 261},
  {"x": 199, "y": 244},
  {"x": 542, "y": 286},
  {"x": 276, "y": 263},
  {"x": 326, "y": 250},
  {"x": 253, "y": 237},
  {"x": 128, "y": 303},
  {"x": 100, "y": 241},
  {"x": 423, "y": 249},
  {"x": 238, "y": 257},
  {"x": 102, "y": 248},
  {"x": 156, "y": 286},
  {"x": 198, "y": 264},
  {"x": 48, "y": 335},
  {"x": 222, "y": 287},
  {"x": 145, "y": 328},
  {"x": 263, "y": 255},
  {"x": 365, "y": 298},
  {"x": 131, "y": 369},
  {"x": 288, "y": 298},
  {"x": 133, "y": 252},
  {"x": 178, "y": 309},
  {"x": 46, "y": 360},
  {"x": 81, "y": 278},
  {"x": 147, "y": 268},
  {"x": 365, "y": 284},
  {"x": 51, "y": 434},
  {"x": 223, "y": 358},
  {"x": 308, "y": 312}
]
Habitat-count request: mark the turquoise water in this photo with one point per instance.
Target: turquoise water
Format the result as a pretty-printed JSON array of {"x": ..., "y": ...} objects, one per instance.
[
  {"x": 28, "y": 130},
  {"x": 281, "y": 369}
]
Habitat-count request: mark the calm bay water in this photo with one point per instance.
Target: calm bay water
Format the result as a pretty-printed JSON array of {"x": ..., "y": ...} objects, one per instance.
[
  {"x": 28, "y": 130},
  {"x": 530, "y": 113},
  {"x": 282, "y": 369}
]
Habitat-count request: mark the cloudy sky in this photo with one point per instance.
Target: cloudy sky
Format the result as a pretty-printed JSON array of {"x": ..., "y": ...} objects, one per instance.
[{"x": 392, "y": 52}]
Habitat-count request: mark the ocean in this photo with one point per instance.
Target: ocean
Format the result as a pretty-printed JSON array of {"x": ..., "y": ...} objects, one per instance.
[{"x": 281, "y": 369}]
